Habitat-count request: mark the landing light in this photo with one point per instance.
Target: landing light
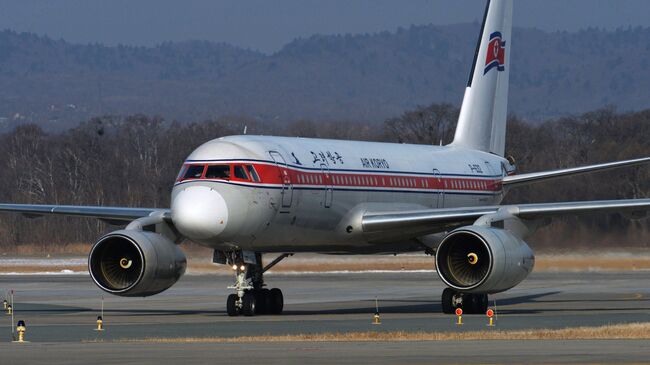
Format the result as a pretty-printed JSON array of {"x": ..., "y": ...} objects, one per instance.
[{"x": 234, "y": 267}]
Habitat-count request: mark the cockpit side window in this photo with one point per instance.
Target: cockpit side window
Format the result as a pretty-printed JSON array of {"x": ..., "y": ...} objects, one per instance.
[
  {"x": 252, "y": 173},
  {"x": 240, "y": 173},
  {"x": 218, "y": 172},
  {"x": 181, "y": 173},
  {"x": 193, "y": 172}
]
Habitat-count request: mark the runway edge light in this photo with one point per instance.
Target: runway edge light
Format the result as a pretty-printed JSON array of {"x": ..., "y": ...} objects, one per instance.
[
  {"x": 490, "y": 314},
  {"x": 375, "y": 318},
  {"x": 459, "y": 314}
]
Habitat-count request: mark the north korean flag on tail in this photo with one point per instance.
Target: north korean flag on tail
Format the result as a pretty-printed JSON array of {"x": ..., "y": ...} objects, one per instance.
[{"x": 496, "y": 53}]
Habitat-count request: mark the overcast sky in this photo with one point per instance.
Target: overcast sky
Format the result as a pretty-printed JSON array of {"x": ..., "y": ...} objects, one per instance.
[{"x": 267, "y": 25}]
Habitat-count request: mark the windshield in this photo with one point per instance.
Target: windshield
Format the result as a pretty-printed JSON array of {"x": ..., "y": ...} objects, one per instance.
[
  {"x": 194, "y": 172},
  {"x": 218, "y": 172}
]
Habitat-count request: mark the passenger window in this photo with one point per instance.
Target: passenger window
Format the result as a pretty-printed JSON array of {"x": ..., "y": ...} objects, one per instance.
[
  {"x": 240, "y": 173},
  {"x": 194, "y": 172},
  {"x": 218, "y": 172},
  {"x": 252, "y": 173}
]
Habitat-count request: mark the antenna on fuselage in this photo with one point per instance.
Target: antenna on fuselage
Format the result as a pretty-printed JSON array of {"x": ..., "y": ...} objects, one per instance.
[{"x": 245, "y": 129}]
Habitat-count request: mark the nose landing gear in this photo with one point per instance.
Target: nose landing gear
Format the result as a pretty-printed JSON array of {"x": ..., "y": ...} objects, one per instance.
[{"x": 250, "y": 297}]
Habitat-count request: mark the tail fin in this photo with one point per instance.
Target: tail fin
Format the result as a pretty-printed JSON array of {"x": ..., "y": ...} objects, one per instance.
[{"x": 482, "y": 120}]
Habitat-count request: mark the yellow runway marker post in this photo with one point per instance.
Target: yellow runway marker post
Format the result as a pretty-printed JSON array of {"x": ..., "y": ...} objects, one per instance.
[
  {"x": 21, "y": 328},
  {"x": 100, "y": 318},
  {"x": 100, "y": 324},
  {"x": 459, "y": 314}
]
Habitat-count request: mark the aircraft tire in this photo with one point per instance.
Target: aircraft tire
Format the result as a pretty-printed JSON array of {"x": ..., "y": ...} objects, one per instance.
[
  {"x": 231, "y": 305},
  {"x": 447, "y": 296},
  {"x": 249, "y": 304},
  {"x": 475, "y": 303},
  {"x": 263, "y": 301},
  {"x": 276, "y": 301}
]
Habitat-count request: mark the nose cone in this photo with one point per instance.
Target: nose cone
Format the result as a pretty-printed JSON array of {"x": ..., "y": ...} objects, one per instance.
[{"x": 199, "y": 212}]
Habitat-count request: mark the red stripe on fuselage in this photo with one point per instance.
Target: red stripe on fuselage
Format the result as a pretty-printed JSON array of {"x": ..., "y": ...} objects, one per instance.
[{"x": 272, "y": 174}]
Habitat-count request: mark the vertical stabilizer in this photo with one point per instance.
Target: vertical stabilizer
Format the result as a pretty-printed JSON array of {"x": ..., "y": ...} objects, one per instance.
[{"x": 482, "y": 120}]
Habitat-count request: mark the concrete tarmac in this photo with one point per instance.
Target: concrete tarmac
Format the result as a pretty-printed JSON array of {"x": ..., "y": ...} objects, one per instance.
[{"x": 60, "y": 313}]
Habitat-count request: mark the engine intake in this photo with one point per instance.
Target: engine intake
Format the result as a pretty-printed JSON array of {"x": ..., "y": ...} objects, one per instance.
[
  {"x": 135, "y": 263},
  {"x": 481, "y": 259}
]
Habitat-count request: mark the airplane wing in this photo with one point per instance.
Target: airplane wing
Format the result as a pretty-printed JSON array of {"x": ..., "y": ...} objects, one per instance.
[
  {"x": 118, "y": 215},
  {"x": 521, "y": 179},
  {"x": 420, "y": 220}
]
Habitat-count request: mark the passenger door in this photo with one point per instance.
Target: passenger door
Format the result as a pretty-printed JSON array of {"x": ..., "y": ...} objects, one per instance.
[
  {"x": 285, "y": 179},
  {"x": 327, "y": 182},
  {"x": 439, "y": 198}
]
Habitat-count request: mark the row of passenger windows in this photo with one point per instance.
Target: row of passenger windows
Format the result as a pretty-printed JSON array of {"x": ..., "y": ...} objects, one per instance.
[
  {"x": 317, "y": 179},
  {"x": 221, "y": 171},
  {"x": 469, "y": 184}
]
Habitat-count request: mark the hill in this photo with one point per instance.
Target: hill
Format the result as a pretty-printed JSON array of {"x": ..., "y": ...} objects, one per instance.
[{"x": 366, "y": 77}]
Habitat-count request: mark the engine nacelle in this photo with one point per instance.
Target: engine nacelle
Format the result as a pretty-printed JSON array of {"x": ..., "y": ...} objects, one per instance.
[
  {"x": 477, "y": 259},
  {"x": 132, "y": 263}
]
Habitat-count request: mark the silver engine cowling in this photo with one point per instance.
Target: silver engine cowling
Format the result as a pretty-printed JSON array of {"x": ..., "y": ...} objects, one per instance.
[
  {"x": 477, "y": 259},
  {"x": 134, "y": 263}
]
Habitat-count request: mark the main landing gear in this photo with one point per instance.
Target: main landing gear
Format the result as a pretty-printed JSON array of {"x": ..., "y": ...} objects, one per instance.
[
  {"x": 469, "y": 303},
  {"x": 251, "y": 297}
]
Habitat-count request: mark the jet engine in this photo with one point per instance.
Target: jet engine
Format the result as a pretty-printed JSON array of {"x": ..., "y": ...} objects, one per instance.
[
  {"x": 478, "y": 259},
  {"x": 134, "y": 263}
]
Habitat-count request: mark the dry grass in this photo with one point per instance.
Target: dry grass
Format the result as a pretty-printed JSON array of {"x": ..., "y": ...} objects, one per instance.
[
  {"x": 611, "y": 332},
  {"x": 594, "y": 262}
]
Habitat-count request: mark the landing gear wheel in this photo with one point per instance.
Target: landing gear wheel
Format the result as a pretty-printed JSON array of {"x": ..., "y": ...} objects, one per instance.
[
  {"x": 263, "y": 301},
  {"x": 276, "y": 301},
  {"x": 248, "y": 304},
  {"x": 231, "y": 305},
  {"x": 475, "y": 303},
  {"x": 481, "y": 303},
  {"x": 447, "y": 301}
]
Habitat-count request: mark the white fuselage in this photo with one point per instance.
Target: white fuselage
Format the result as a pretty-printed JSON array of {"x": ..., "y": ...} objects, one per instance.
[{"x": 282, "y": 194}]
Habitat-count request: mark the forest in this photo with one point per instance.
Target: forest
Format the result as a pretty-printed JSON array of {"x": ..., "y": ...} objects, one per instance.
[{"x": 133, "y": 160}]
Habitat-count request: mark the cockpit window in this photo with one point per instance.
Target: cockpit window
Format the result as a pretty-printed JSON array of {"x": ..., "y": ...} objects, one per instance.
[
  {"x": 240, "y": 173},
  {"x": 252, "y": 173},
  {"x": 218, "y": 172},
  {"x": 194, "y": 172}
]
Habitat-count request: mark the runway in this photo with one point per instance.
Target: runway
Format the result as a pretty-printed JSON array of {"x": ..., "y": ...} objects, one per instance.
[{"x": 60, "y": 313}]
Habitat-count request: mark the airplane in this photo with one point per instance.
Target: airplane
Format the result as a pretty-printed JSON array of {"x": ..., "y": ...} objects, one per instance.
[{"x": 246, "y": 196}]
